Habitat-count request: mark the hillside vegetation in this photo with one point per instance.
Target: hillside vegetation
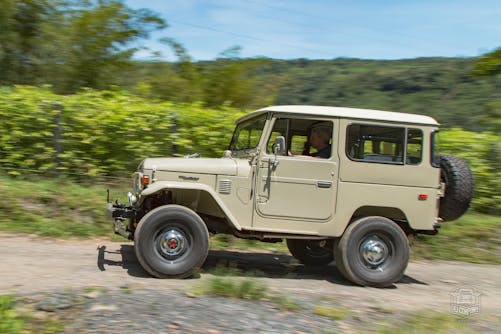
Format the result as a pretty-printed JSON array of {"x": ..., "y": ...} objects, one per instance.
[{"x": 444, "y": 88}]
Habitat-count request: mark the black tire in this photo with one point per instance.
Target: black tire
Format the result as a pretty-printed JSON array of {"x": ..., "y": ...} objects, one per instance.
[
  {"x": 310, "y": 252},
  {"x": 373, "y": 251},
  {"x": 171, "y": 241},
  {"x": 339, "y": 263},
  {"x": 459, "y": 185}
]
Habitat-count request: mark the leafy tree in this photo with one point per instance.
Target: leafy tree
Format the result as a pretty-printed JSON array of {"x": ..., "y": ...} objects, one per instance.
[
  {"x": 231, "y": 81},
  {"x": 491, "y": 118},
  {"x": 179, "y": 81},
  {"x": 489, "y": 64},
  {"x": 21, "y": 23},
  {"x": 97, "y": 41},
  {"x": 69, "y": 43}
]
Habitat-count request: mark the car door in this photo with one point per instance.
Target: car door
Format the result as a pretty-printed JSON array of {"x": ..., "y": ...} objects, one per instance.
[{"x": 297, "y": 186}]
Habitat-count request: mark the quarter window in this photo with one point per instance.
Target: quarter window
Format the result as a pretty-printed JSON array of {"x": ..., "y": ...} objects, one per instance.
[
  {"x": 435, "y": 157},
  {"x": 414, "y": 147}
]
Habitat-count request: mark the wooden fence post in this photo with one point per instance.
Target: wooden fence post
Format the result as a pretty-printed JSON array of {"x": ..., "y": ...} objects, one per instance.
[{"x": 57, "y": 137}]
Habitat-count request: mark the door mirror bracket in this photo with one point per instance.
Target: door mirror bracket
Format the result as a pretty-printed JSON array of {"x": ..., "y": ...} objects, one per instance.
[{"x": 279, "y": 148}]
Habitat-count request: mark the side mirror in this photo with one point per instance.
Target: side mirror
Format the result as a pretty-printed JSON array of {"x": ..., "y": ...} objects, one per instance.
[{"x": 279, "y": 147}]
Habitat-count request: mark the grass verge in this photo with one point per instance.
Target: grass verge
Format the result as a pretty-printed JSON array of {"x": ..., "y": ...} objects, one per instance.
[
  {"x": 13, "y": 321},
  {"x": 53, "y": 208},
  {"x": 230, "y": 287},
  {"x": 473, "y": 238},
  {"x": 10, "y": 321},
  {"x": 332, "y": 312},
  {"x": 223, "y": 285},
  {"x": 424, "y": 322}
]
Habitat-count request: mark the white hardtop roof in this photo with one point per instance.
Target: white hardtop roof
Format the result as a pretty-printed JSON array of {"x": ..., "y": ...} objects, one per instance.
[{"x": 341, "y": 112}]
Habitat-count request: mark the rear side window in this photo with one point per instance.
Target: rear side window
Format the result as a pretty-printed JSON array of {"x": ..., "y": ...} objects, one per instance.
[
  {"x": 370, "y": 143},
  {"x": 384, "y": 144}
]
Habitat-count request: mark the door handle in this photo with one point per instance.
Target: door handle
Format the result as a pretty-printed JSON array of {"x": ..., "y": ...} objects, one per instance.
[{"x": 324, "y": 184}]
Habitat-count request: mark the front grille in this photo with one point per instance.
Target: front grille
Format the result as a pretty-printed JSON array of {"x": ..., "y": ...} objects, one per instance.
[{"x": 225, "y": 187}]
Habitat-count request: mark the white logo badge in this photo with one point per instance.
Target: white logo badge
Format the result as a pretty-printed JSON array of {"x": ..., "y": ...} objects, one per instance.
[{"x": 465, "y": 301}]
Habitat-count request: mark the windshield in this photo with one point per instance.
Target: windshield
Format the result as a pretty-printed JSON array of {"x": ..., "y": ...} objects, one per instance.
[{"x": 247, "y": 134}]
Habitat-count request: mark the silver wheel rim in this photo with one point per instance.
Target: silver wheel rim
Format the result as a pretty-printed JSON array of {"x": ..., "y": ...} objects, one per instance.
[
  {"x": 172, "y": 243},
  {"x": 374, "y": 251}
]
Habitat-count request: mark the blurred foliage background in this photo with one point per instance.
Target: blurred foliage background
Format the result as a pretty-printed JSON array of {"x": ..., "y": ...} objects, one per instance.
[{"x": 75, "y": 102}]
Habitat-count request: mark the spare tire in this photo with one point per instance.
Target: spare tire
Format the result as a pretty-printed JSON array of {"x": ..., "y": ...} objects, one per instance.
[{"x": 459, "y": 184}]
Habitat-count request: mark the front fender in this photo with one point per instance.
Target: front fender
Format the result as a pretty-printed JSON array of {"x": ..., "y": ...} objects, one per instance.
[{"x": 173, "y": 185}]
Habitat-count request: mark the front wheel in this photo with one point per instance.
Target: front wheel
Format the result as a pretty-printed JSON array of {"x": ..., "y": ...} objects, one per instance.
[
  {"x": 171, "y": 241},
  {"x": 373, "y": 251}
]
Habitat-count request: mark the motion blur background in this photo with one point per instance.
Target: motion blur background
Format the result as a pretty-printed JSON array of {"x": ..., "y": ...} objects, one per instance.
[{"x": 90, "y": 88}]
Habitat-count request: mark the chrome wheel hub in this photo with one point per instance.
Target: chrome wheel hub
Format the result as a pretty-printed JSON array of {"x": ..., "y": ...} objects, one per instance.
[
  {"x": 172, "y": 243},
  {"x": 374, "y": 251}
]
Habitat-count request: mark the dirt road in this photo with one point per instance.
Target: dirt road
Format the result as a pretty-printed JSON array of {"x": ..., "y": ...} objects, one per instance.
[{"x": 32, "y": 264}]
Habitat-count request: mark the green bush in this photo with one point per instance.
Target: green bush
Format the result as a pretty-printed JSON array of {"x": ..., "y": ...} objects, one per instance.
[
  {"x": 110, "y": 132},
  {"x": 102, "y": 132},
  {"x": 482, "y": 151}
]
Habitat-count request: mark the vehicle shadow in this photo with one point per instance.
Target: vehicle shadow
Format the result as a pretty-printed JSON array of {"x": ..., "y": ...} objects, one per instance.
[
  {"x": 241, "y": 264},
  {"x": 128, "y": 262}
]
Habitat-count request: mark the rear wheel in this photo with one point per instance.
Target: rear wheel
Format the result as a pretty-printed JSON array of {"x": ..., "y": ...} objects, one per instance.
[
  {"x": 311, "y": 252},
  {"x": 373, "y": 251},
  {"x": 171, "y": 241}
]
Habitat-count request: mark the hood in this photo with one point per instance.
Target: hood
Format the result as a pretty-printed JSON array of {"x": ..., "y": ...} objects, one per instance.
[{"x": 221, "y": 166}]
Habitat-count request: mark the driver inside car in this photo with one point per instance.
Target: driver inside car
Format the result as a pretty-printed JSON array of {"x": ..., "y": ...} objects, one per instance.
[{"x": 319, "y": 139}]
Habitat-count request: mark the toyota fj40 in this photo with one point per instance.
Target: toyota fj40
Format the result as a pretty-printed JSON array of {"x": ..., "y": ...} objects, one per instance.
[{"x": 378, "y": 181}]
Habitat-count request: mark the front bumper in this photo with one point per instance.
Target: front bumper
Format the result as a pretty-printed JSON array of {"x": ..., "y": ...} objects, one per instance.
[{"x": 122, "y": 217}]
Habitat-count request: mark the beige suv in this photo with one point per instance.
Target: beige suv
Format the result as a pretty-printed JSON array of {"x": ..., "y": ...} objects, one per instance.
[{"x": 335, "y": 183}]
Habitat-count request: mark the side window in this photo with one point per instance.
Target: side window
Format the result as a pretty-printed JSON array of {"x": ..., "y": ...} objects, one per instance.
[
  {"x": 414, "y": 147},
  {"x": 298, "y": 143},
  {"x": 372, "y": 143},
  {"x": 303, "y": 137}
]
